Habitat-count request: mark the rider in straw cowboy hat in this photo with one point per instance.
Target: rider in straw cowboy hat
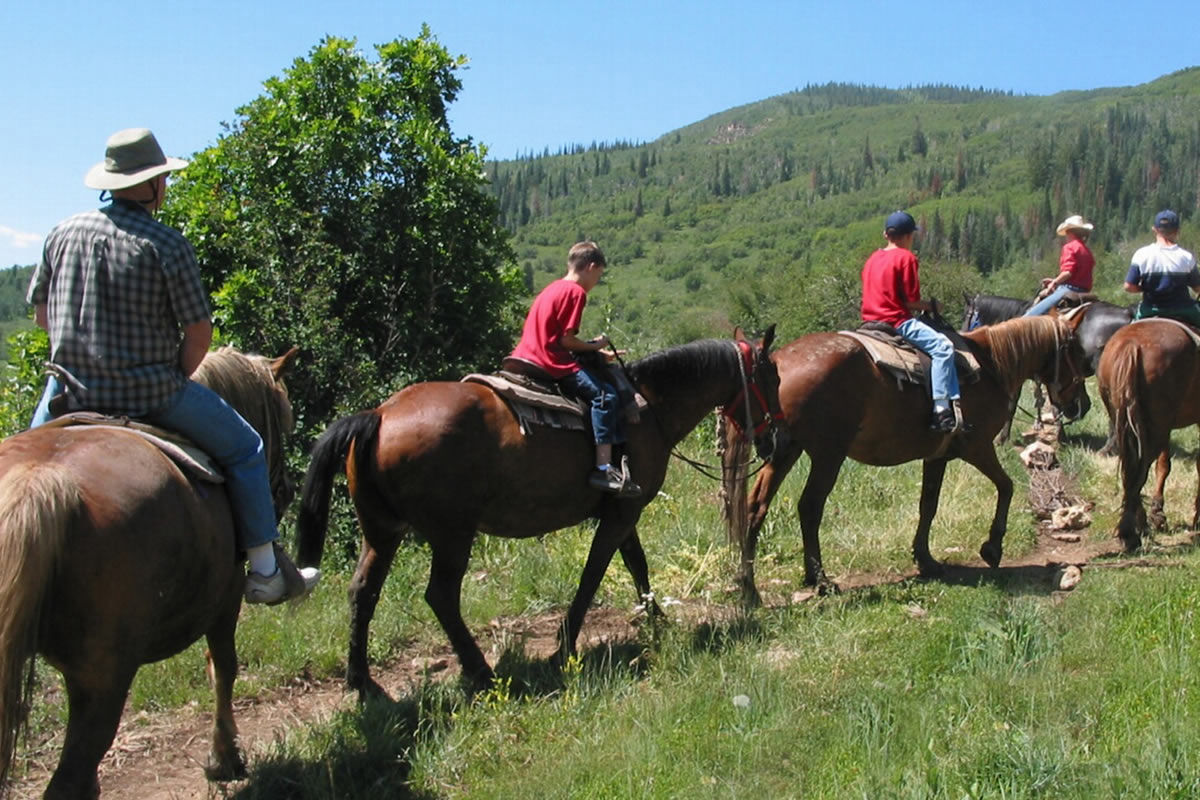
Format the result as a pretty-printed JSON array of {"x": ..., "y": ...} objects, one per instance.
[
  {"x": 128, "y": 316},
  {"x": 1075, "y": 265}
]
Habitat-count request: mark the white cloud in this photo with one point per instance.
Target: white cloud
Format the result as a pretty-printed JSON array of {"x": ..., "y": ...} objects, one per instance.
[{"x": 19, "y": 239}]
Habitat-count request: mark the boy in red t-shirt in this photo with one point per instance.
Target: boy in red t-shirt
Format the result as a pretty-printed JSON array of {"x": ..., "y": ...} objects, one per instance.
[
  {"x": 892, "y": 294},
  {"x": 551, "y": 338}
]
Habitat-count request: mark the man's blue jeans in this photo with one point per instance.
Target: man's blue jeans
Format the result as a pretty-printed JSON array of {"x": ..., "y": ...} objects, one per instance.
[
  {"x": 205, "y": 418},
  {"x": 943, "y": 375},
  {"x": 606, "y": 419},
  {"x": 1051, "y": 300}
]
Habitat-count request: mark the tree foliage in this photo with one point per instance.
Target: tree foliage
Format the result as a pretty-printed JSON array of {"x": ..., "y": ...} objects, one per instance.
[{"x": 339, "y": 213}]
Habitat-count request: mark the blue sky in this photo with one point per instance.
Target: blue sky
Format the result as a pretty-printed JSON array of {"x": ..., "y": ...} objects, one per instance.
[{"x": 540, "y": 73}]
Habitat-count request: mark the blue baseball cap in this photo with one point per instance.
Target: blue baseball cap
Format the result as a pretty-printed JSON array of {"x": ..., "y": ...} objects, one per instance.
[
  {"x": 1167, "y": 220},
  {"x": 900, "y": 223}
]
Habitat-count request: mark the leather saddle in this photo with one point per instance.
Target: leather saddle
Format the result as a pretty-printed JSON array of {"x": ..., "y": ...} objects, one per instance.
[
  {"x": 896, "y": 356},
  {"x": 537, "y": 399},
  {"x": 190, "y": 458}
]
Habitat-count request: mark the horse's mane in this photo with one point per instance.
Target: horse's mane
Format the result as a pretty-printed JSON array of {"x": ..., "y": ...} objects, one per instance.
[
  {"x": 1011, "y": 342},
  {"x": 247, "y": 383},
  {"x": 684, "y": 364}
]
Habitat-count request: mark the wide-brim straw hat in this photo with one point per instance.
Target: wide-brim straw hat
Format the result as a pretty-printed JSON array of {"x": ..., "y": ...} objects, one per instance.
[
  {"x": 131, "y": 157},
  {"x": 1074, "y": 223}
]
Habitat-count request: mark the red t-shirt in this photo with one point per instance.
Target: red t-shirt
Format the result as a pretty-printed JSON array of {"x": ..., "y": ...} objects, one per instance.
[
  {"x": 1079, "y": 261},
  {"x": 557, "y": 310},
  {"x": 889, "y": 282}
]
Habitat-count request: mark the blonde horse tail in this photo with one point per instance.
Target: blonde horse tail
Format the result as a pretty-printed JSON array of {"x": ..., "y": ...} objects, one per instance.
[
  {"x": 37, "y": 504},
  {"x": 734, "y": 451}
]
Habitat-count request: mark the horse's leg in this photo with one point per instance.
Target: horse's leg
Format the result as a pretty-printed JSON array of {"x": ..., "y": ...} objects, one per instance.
[
  {"x": 365, "y": 588},
  {"x": 635, "y": 561},
  {"x": 225, "y": 761},
  {"x": 1006, "y": 430},
  {"x": 759, "y": 502},
  {"x": 95, "y": 707},
  {"x": 932, "y": 473},
  {"x": 1162, "y": 468},
  {"x": 1135, "y": 468},
  {"x": 451, "y": 554},
  {"x": 1196, "y": 505},
  {"x": 609, "y": 536},
  {"x": 983, "y": 458},
  {"x": 822, "y": 475}
]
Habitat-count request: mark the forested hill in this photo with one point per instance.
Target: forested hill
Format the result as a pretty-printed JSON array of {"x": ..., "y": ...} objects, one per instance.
[{"x": 766, "y": 212}]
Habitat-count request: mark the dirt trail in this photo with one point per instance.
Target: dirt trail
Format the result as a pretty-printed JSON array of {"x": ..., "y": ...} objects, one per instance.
[{"x": 161, "y": 756}]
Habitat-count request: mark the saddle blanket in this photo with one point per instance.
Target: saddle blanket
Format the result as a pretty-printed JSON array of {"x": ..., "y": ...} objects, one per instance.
[
  {"x": 1190, "y": 330},
  {"x": 907, "y": 363},
  {"x": 183, "y": 452},
  {"x": 536, "y": 405}
]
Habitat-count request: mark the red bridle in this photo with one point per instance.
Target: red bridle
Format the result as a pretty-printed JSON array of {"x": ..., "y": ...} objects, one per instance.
[{"x": 749, "y": 386}]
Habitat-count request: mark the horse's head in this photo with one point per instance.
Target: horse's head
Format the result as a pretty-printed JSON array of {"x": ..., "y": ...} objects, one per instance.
[
  {"x": 755, "y": 410},
  {"x": 1064, "y": 373},
  {"x": 254, "y": 386}
]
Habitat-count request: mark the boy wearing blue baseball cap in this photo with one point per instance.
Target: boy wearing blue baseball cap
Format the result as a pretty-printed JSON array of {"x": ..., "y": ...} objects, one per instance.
[
  {"x": 1163, "y": 272},
  {"x": 892, "y": 294}
]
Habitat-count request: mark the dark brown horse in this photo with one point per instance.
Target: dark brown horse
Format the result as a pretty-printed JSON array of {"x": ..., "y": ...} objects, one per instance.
[
  {"x": 837, "y": 403},
  {"x": 447, "y": 460},
  {"x": 111, "y": 557},
  {"x": 1149, "y": 379}
]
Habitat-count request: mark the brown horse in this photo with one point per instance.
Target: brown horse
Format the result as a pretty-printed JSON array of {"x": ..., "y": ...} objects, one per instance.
[
  {"x": 446, "y": 460},
  {"x": 1149, "y": 379},
  {"x": 837, "y": 403},
  {"x": 111, "y": 557}
]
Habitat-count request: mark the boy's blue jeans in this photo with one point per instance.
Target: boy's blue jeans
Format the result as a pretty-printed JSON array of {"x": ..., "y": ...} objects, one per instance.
[
  {"x": 204, "y": 417},
  {"x": 606, "y": 417},
  {"x": 943, "y": 375}
]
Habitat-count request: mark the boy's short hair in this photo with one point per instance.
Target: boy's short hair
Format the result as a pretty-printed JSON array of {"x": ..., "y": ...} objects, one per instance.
[{"x": 584, "y": 253}]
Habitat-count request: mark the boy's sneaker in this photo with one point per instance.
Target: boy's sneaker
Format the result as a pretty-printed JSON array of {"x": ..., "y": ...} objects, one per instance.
[
  {"x": 944, "y": 421},
  {"x": 287, "y": 583}
]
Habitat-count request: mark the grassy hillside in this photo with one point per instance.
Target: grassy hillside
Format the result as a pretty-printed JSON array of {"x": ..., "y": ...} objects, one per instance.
[{"x": 766, "y": 212}]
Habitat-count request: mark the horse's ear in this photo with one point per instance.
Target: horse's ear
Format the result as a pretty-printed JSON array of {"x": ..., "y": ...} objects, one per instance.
[
  {"x": 768, "y": 339},
  {"x": 283, "y": 365},
  {"x": 738, "y": 334}
]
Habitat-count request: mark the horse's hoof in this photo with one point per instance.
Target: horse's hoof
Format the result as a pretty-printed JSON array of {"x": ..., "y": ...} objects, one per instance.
[
  {"x": 930, "y": 568},
  {"x": 990, "y": 553},
  {"x": 220, "y": 770},
  {"x": 1131, "y": 543},
  {"x": 827, "y": 588}
]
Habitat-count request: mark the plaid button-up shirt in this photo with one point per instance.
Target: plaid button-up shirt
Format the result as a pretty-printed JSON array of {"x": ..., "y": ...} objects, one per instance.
[{"x": 119, "y": 286}]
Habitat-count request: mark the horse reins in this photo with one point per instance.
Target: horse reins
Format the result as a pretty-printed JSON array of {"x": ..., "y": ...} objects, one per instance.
[{"x": 744, "y": 354}]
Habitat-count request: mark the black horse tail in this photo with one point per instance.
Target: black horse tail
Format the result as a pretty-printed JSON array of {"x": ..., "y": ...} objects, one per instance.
[
  {"x": 735, "y": 452},
  {"x": 1128, "y": 417},
  {"x": 40, "y": 501},
  {"x": 328, "y": 458}
]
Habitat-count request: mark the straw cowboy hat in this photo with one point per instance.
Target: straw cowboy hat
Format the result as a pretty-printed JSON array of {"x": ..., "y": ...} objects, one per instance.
[
  {"x": 1074, "y": 223},
  {"x": 131, "y": 157}
]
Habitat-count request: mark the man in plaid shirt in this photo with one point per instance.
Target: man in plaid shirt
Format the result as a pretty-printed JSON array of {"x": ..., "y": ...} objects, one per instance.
[{"x": 128, "y": 317}]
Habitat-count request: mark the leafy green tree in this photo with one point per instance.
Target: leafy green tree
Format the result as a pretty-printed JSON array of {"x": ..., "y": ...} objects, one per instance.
[
  {"x": 339, "y": 213},
  {"x": 21, "y": 381}
]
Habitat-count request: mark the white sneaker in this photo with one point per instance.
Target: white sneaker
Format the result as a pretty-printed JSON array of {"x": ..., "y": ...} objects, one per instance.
[{"x": 273, "y": 589}]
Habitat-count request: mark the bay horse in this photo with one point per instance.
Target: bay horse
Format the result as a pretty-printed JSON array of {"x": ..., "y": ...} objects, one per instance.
[
  {"x": 112, "y": 557},
  {"x": 446, "y": 460},
  {"x": 1149, "y": 380},
  {"x": 838, "y": 404},
  {"x": 1101, "y": 320}
]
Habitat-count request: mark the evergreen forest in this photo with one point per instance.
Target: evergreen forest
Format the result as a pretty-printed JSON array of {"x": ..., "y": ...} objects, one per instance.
[{"x": 766, "y": 212}]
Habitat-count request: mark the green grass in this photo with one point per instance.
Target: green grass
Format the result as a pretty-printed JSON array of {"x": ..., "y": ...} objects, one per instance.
[{"x": 917, "y": 689}]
